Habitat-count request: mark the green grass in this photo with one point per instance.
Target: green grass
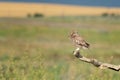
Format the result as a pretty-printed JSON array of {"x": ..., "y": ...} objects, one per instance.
[
  {"x": 94, "y": 20},
  {"x": 40, "y": 49}
]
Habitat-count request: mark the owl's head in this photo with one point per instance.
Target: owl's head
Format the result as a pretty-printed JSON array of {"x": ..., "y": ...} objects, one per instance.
[{"x": 74, "y": 34}]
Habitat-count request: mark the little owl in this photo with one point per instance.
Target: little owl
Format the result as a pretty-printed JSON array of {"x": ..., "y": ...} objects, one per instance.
[{"x": 79, "y": 41}]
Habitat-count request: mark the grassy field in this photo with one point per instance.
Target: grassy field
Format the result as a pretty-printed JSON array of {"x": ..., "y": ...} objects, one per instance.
[
  {"x": 12, "y": 9},
  {"x": 40, "y": 48}
]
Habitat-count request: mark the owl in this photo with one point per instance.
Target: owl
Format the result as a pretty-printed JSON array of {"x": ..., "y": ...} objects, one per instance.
[{"x": 79, "y": 41}]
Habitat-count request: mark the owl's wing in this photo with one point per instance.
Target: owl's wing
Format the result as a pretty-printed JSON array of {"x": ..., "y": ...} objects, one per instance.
[{"x": 82, "y": 42}]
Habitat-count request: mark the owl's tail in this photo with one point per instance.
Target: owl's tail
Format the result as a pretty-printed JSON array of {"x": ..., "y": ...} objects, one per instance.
[{"x": 87, "y": 45}]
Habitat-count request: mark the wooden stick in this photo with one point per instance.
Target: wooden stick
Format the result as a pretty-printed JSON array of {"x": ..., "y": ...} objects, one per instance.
[{"x": 95, "y": 62}]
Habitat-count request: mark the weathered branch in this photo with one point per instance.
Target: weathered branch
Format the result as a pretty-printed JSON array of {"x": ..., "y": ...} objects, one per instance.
[{"x": 95, "y": 62}]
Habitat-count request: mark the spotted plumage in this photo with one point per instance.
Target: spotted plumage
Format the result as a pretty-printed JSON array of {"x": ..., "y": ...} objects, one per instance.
[{"x": 79, "y": 41}]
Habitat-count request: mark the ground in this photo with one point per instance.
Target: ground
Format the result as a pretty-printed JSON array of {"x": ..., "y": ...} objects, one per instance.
[
  {"x": 40, "y": 48},
  {"x": 12, "y": 9}
]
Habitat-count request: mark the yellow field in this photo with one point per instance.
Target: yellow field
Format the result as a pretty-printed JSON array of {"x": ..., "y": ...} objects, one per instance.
[{"x": 22, "y": 9}]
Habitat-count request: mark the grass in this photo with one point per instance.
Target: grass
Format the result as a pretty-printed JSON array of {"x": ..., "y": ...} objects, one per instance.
[
  {"x": 24, "y": 9},
  {"x": 39, "y": 49},
  {"x": 93, "y": 20}
]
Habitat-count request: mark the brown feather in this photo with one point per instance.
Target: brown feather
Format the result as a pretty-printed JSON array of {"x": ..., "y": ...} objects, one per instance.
[{"x": 78, "y": 40}]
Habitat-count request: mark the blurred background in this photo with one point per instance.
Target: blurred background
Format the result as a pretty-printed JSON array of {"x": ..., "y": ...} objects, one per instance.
[{"x": 35, "y": 43}]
